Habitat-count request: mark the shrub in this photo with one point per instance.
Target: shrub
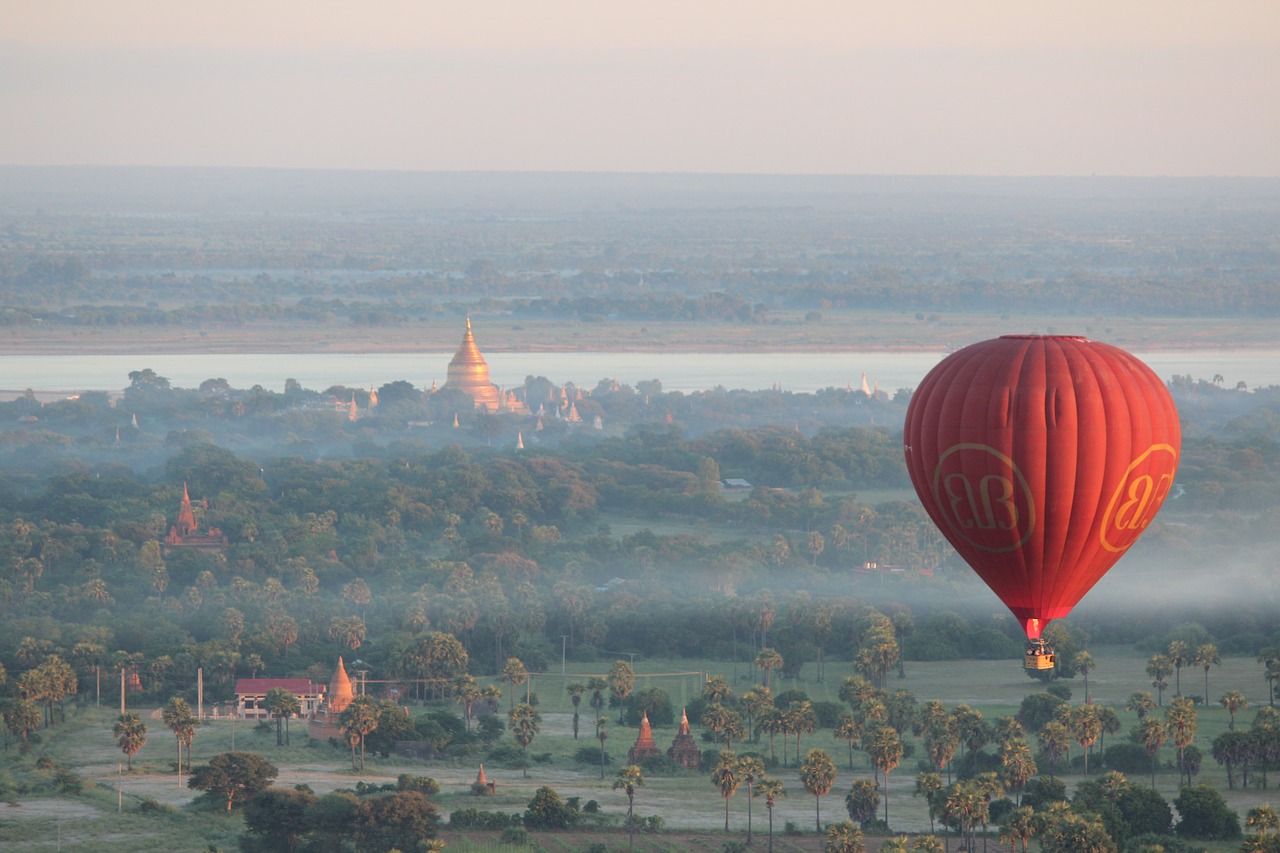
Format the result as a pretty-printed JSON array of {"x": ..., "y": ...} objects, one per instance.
[
  {"x": 515, "y": 835},
  {"x": 1060, "y": 690},
  {"x": 658, "y": 765},
  {"x": 589, "y": 755},
  {"x": 1145, "y": 811},
  {"x": 507, "y": 754},
  {"x": 547, "y": 810},
  {"x": 1043, "y": 792},
  {"x": 473, "y": 818},
  {"x": 828, "y": 714},
  {"x": 734, "y": 847},
  {"x": 1038, "y": 709},
  {"x": 422, "y": 784},
  {"x": 152, "y": 806},
  {"x": 1205, "y": 814},
  {"x": 1128, "y": 758},
  {"x": 654, "y": 701}
]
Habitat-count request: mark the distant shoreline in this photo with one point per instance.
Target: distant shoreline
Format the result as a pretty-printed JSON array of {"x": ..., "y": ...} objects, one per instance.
[{"x": 835, "y": 332}]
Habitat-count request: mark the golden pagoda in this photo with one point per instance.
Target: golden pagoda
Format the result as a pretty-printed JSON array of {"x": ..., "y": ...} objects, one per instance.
[
  {"x": 324, "y": 723},
  {"x": 469, "y": 373}
]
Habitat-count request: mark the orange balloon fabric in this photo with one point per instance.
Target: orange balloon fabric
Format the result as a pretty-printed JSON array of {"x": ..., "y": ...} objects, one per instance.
[{"x": 1041, "y": 459}]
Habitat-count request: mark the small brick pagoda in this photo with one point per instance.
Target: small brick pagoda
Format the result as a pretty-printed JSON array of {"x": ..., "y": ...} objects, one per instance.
[
  {"x": 684, "y": 751},
  {"x": 186, "y": 533},
  {"x": 645, "y": 747}
]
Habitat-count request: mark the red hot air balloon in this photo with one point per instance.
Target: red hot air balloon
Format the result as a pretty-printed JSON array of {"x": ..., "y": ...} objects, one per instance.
[{"x": 1041, "y": 459}]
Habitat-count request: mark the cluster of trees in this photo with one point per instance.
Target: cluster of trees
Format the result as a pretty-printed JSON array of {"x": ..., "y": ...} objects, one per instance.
[{"x": 371, "y": 819}]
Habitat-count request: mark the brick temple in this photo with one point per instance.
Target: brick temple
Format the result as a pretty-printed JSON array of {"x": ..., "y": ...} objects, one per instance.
[
  {"x": 645, "y": 747},
  {"x": 684, "y": 751}
]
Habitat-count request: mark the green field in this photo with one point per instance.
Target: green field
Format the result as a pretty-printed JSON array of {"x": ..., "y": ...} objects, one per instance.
[{"x": 688, "y": 803}]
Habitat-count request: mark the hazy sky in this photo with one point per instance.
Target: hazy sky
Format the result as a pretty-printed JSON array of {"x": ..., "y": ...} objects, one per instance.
[{"x": 1012, "y": 87}]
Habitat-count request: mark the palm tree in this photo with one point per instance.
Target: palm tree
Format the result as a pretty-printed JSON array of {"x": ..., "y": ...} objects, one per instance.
[
  {"x": 22, "y": 717},
  {"x": 1263, "y": 819},
  {"x": 1207, "y": 656},
  {"x": 1055, "y": 741},
  {"x": 467, "y": 691},
  {"x": 1180, "y": 719},
  {"x": 1141, "y": 703},
  {"x": 131, "y": 735},
  {"x": 817, "y": 774},
  {"x": 885, "y": 750},
  {"x": 1085, "y": 724},
  {"x": 1234, "y": 702},
  {"x": 895, "y": 845},
  {"x": 1269, "y": 657},
  {"x": 801, "y": 719},
  {"x": 357, "y": 720},
  {"x": 597, "y": 686},
  {"x": 843, "y": 838},
  {"x": 1017, "y": 766},
  {"x": 178, "y": 718},
  {"x": 515, "y": 674},
  {"x": 848, "y": 730},
  {"x": 281, "y": 704},
  {"x": 750, "y": 769},
  {"x": 725, "y": 777},
  {"x": 768, "y": 660},
  {"x": 602, "y": 736},
  {"x": 1110, "y": 725},
  {"x": 1084, "y": 665},
  {"x": 770, "y": 789},
  {"x": 1152, "y": 734},
  {"x": 1159, "y": 668},
  {"x": 755, "y": 702},
  {"x": 1179, "y": 656},
  {"x": 1019, "y": 825},
  {"x": 717, "y": 691},
  {"x": 576, "y": 691},
  {"x": 929, "y": 784},
  {"x": 628, "y": 779},
  {"x": 524, "y": 723},
  {"x": 622, "y": 680},
  {"x": 967, "y": 806}
]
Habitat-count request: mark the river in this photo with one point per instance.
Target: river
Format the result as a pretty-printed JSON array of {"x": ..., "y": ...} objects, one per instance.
[{"x": 791, "y": 371}]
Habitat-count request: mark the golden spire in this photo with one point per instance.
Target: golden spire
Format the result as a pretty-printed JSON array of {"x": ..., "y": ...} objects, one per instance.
[
  {"x": 469, "y": 373},
  {"x": 340, "y": 692}
]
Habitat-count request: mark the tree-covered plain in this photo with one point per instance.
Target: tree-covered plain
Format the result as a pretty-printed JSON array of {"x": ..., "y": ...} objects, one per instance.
[{"x": 195, "y": 249}]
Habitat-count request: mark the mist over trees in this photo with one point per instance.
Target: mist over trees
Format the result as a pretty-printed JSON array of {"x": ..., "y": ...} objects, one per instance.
[{"x": 376, "y": 535}]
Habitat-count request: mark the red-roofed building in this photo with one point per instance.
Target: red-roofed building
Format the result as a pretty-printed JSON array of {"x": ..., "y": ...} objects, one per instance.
[{"x": 250, "y": 693}]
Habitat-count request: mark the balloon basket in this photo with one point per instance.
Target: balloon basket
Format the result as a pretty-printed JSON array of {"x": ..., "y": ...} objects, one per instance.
[{"x": 1040, "y": 656}]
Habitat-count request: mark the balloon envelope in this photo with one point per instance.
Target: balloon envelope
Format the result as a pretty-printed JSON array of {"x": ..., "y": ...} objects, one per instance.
[{"x": 1041, "y": 459}]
